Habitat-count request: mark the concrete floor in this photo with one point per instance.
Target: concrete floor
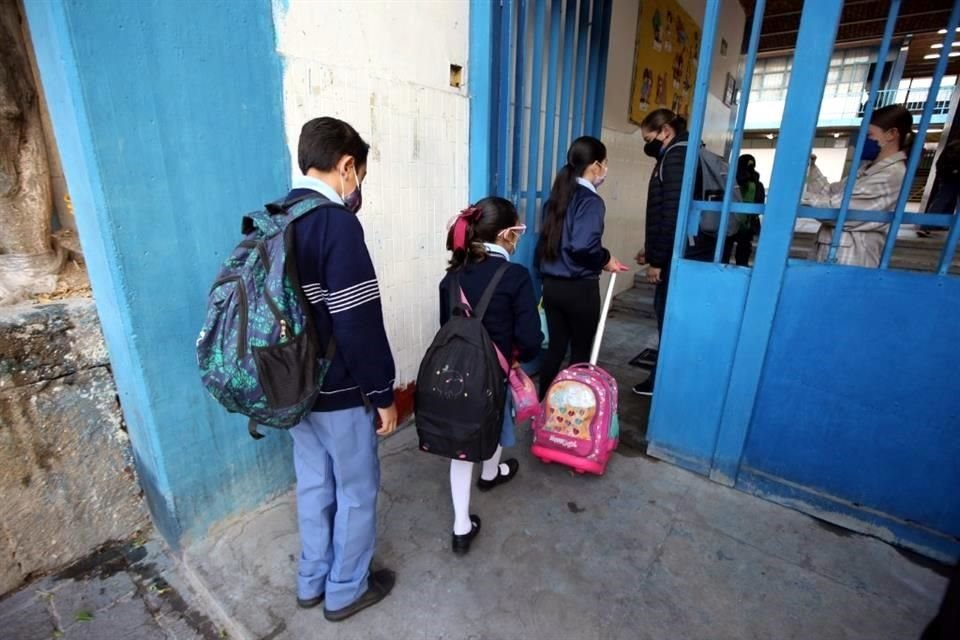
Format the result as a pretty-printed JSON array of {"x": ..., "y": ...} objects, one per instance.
[{"x": 647, "y": 552}]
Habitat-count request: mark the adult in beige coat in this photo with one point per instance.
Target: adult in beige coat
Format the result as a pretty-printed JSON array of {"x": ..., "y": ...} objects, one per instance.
[{"x": 877, "y": 187}]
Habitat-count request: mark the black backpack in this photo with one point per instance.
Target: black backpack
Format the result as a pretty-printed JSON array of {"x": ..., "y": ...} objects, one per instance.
[{"x": 461, "y": 387}]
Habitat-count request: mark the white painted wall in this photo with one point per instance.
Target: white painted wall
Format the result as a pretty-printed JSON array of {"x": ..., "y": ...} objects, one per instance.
[
  {"x": 384, "y": 67},
  {"x": 625, "y": 191}
]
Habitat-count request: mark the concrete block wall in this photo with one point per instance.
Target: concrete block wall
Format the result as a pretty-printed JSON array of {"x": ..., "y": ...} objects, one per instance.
[
  {"x": 386, "y": 70},
  {"x": 66, "y": 469}
]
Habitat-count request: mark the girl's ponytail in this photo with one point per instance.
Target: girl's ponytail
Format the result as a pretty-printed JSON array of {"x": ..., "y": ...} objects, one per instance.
[{"x": 582, "y": 153}]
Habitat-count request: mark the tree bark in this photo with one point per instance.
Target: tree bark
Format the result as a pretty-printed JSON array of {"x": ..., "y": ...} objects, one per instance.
[{"x": 25, "y": 191}]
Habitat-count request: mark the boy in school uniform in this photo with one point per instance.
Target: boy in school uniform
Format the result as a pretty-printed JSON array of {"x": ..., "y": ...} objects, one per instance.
[{"x": 335, "y": 446}]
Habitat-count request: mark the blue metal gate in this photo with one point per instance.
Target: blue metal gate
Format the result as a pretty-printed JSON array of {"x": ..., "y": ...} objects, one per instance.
[
  {"x": 537, "y": 74},
  {"x": 829, "y": 388}
]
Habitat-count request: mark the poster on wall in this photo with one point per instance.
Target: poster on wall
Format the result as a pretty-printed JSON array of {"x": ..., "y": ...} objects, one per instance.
[{"x": 664, "y": 60}]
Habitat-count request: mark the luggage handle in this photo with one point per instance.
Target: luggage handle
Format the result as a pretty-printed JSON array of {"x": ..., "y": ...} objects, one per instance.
[{"x": 597, "y": 339}]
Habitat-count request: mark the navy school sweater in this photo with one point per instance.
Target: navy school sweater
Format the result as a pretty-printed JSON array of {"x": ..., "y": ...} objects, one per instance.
[
  {"x": 581, "y": 250},
  {"x": 338, "y": 278},
  {"x": 512, "y": 319}
]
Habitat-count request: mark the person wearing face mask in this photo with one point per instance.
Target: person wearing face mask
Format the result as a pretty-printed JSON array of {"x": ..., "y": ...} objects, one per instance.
[
  {"x": 752, "y": 191},
  {"x": 481, "y": 239},
  {"x": 664, "y": 131},
  {"x": 571, "y": 256},
  {"x": 882, "y": 167},
  {"x": 335, "y": 446}
]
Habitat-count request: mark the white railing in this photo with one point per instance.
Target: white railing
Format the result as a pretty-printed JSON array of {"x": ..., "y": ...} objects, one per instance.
[{"x": 847, "y": 110}]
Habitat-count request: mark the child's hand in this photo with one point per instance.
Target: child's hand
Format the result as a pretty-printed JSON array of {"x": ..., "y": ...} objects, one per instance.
[
  {"x": 615, "y": 266},
  {"x": 388, "y": 420}
]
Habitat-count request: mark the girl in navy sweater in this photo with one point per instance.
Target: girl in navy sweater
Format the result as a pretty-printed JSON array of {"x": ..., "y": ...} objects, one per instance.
[
  {"x": 483, "y": 236},
  {"x": 571, "y": 256}
]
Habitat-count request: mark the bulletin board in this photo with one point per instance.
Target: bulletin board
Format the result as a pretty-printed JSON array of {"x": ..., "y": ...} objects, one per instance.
[{"x": 664, "y": 60}]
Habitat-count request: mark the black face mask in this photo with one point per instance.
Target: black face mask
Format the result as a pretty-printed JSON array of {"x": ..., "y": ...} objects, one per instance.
[{"x": 653, "y": 148}]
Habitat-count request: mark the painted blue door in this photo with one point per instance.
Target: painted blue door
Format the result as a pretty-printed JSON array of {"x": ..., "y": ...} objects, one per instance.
[
  {"x": 537, "y": 74},
  {"x": 830, "y": 388}
]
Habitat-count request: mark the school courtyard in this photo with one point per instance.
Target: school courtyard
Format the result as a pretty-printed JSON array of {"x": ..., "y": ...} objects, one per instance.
[{"x": 649, "y": 551}]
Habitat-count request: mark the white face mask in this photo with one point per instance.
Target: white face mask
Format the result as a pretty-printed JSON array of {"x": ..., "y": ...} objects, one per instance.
[{"x": 599, "y": 180}]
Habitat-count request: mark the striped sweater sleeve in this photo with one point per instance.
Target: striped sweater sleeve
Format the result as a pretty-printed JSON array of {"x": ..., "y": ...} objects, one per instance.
[{"x": 350, "y": 293}]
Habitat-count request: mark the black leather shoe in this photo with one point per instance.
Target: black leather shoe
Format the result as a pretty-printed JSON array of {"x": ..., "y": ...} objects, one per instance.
[
  {"x": 309, "y": 603},
  {"x": 502, "y": 478},
  {"x": 461, "y": 544},
  {"x": 379, "y": 585}
]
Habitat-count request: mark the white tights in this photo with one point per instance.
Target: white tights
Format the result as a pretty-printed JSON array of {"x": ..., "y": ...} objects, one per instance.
[{"x": 461, "y": 477}]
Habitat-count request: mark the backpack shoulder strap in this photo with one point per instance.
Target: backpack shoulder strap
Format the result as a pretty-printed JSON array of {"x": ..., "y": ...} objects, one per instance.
[
  {"x": 458, "y": 301},
  {"x": 294, "y": 208},
  {"x": 488, "y": 292},
  {"x": 682, "y": 143}
]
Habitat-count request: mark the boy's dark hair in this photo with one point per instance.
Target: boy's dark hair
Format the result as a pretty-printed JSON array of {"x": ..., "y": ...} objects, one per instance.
[
  {"x": 323, "y": 141},
  {"x": 496, "y": 215}
]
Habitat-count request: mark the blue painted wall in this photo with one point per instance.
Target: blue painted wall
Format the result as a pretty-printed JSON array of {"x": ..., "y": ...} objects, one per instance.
[
  {"x": 169, "y": 120},
  {"x": 858, "y": 399}
]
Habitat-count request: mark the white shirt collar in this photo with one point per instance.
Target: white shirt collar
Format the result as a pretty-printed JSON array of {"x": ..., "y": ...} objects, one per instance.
[
  {"x": 586, "y": 183},
  {"x": 315, "y": 184},
  {"x": 497, "y": 249}
]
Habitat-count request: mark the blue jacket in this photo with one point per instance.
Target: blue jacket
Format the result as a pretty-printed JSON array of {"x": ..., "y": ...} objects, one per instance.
[
  {"x": 581, "y": 250},
  {"x": 512, "y": 319},
  {"x": 338, "y": 278}
]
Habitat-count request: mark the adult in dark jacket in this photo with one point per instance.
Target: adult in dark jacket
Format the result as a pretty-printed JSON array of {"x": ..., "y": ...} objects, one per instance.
[
  {"x": 481, "y": 239},
  {"x": 571, "y": 256},
  {"x": 947, "y": 194},
  {"x": 662, "y": 130}
]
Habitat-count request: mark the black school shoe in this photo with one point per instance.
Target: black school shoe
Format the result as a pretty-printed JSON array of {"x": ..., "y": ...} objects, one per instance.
[
  {"x": 502, "y": 478},
  {"x": 309, "y": 603},
  {"x": 461, "y": 544},
  {"x": 379, "y": 585}
]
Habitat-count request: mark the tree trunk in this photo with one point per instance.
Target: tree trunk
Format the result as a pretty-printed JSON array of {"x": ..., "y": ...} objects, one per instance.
[{"x": 25, "y": 190}]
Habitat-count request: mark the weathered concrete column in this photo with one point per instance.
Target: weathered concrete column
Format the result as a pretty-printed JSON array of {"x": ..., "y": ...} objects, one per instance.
[{"x": 169, "y": 122}]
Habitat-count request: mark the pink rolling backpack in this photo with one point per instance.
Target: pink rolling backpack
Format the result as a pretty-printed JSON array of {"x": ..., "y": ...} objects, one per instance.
[{"x": 577, "y": 424}]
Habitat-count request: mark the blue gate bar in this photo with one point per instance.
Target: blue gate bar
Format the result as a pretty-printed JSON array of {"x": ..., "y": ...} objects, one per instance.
[
  {"x": 533, "y": 160},
  {"x": 520, "y": 72},
  {"x": 581, "y": 70},
  {"x": 700, "y": 91},
  {"x": 921, "y": 136},
  {"x": 569, "y": 26},
  {"x": 864, "y": 126},
  {"x": 818, "y": 29},
  {"x": 593, "y": 70},
  {"x": 950, "y": 247},
  {"x": 734, "y": 159},
  {"x": 503, "y": 110},
  {"x": 596, "y": 127},
  {"x": 550, "y": 115},
  {"x": 481, "y": 86}
]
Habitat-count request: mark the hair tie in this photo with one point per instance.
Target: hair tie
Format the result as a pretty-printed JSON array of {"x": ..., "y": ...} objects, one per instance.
[{"x": 460, "y": 224}]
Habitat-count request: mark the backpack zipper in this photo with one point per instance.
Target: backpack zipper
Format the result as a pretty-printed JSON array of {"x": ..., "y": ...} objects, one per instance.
[
  {"x": 241, "y": 290},
  {"x": 274, "y": 308}
]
